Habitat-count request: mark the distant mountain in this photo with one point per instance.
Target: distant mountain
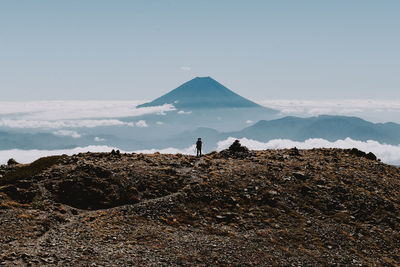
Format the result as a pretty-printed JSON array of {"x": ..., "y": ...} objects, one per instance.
[
  {"x": 203, "y": 93},
  {"x": 331, "y": 128},
  {"x": 182, "y": 133}
]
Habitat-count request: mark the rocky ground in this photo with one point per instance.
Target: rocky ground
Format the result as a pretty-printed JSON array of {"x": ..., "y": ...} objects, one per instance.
[{"x": 289, "y": 207}]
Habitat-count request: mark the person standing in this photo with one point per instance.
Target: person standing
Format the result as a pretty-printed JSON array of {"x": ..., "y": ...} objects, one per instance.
[{"x": 199, "y": 144}]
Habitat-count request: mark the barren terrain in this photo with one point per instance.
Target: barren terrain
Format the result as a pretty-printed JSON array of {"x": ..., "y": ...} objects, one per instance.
[{"x": 252, "y": 208}]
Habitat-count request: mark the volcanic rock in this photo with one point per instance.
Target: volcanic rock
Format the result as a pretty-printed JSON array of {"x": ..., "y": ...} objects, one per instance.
[
  {"x": 11, "y": 162},
  {"x": 320, "y": 207},
  {"x": 237, "y": 147}
]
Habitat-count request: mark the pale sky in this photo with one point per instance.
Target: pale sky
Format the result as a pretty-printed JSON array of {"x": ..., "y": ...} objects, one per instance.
[{"x": 130, "y": 50}]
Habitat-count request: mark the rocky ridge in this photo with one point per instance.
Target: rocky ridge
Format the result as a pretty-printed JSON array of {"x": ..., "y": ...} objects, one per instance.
[{"x": 234, "y": 208}]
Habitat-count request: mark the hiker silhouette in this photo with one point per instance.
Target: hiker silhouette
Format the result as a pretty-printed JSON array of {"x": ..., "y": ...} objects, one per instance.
[{"x": 199, "y": 144}]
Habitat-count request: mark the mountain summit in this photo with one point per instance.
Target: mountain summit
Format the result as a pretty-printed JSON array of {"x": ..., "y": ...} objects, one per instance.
[
  {"x": 278, "y": 207},
  {"x": 202, "y": 93}
]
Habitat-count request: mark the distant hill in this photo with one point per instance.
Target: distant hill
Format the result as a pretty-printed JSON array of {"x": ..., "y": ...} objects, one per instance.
[
  {"x": 327, "y": 127},
  {"x": 203, "y": 93},
  {"x": 181, "y": 131}
]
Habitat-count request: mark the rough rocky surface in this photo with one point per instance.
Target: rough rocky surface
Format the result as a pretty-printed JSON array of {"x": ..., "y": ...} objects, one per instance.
[
  {"x": 289, "y": 207},
  {"x": 12, "y": 162}
]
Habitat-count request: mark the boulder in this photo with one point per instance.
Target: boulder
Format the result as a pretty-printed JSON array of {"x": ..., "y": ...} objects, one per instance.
[
  {"x": 237, "y": 147},
  {"x": 362, "y": 154},
  {"x": 11, "y": 162}
]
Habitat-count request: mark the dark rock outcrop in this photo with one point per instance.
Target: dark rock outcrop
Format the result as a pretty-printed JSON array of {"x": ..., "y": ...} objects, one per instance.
[
  {"x": 236, "y": 147},
  {"x": 236, "y": 150},
  {"x": 11, "y": 162},
  {"x": 359, "y": 153}
]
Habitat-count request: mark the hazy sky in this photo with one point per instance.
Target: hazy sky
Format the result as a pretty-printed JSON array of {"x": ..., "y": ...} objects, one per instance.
[{"x": 126, "y": 49}]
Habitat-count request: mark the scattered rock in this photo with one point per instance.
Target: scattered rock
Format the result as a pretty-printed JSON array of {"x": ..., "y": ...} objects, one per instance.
[
  {"x": 294, "y": 152},
  {"x": 115, "y": 153},
  {"x": 362, "y": 154},
  {"x": 237, "y": 147},
  {"x": 11, "y": 162},
  {"x": 237, "y": 207},
  {"x": 300, "y": 176}
]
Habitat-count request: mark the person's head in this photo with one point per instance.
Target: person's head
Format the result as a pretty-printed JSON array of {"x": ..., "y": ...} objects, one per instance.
[{"x": 198, "y": 139}]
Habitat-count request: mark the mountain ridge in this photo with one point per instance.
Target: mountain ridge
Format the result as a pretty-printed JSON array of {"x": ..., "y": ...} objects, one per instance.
[
  {"x": 329, "y": 127},
  {"x": 285, "y": 207}
]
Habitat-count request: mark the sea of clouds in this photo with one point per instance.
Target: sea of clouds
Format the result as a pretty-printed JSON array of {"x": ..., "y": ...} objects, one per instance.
[
  {"x": 69, "y": 109},
  {"x": 60, "y": 116},
  {"x": 387, "y": 153},
  {"x": 54, "y": 115},
  {"x": 81, "y": 114},
  {"x": 74, "y": 114}
]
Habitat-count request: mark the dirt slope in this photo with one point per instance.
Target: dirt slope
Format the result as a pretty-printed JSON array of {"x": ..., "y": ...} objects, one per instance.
[{"x": 258, "y": 208}]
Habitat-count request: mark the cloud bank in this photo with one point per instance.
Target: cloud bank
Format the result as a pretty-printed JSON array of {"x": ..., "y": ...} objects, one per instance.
[
  {"x": 73, "y": 134},
  {"x": 74, "y": 114},
  {"x": 90, "y": 114},
  {"x": 387, "y": 153},
  {"x": 46, "y": 124},
  {"x": 141, "y": 124},
  {"x": 186, "y": 68},
  {"x": 182, "y": 112},
  {"x": 71, "y": 110}
]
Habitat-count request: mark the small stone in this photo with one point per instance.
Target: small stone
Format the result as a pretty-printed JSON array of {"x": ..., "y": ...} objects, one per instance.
[
  {"x": 272, "y": 193},
  {"x": 300, "y": 176}
]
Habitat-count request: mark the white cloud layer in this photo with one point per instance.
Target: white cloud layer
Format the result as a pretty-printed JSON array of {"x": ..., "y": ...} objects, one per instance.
[
  {"x": 74, "y": 114},
  {"x": 73, "y": 134},
  {"x": 141, "y": 124},
  {"x": 80, "y": 114},
  {"x": 182, "y": 112},
  {"x": 70, "y": 110},
  {"x": 387, "y": 153},
  {"x": 186, "y": 68},
  {"x": 46, "y": 124}
]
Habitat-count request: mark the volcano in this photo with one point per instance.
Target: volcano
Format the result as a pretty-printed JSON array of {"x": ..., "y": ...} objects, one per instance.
[{"x": 203, "y": 93}]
